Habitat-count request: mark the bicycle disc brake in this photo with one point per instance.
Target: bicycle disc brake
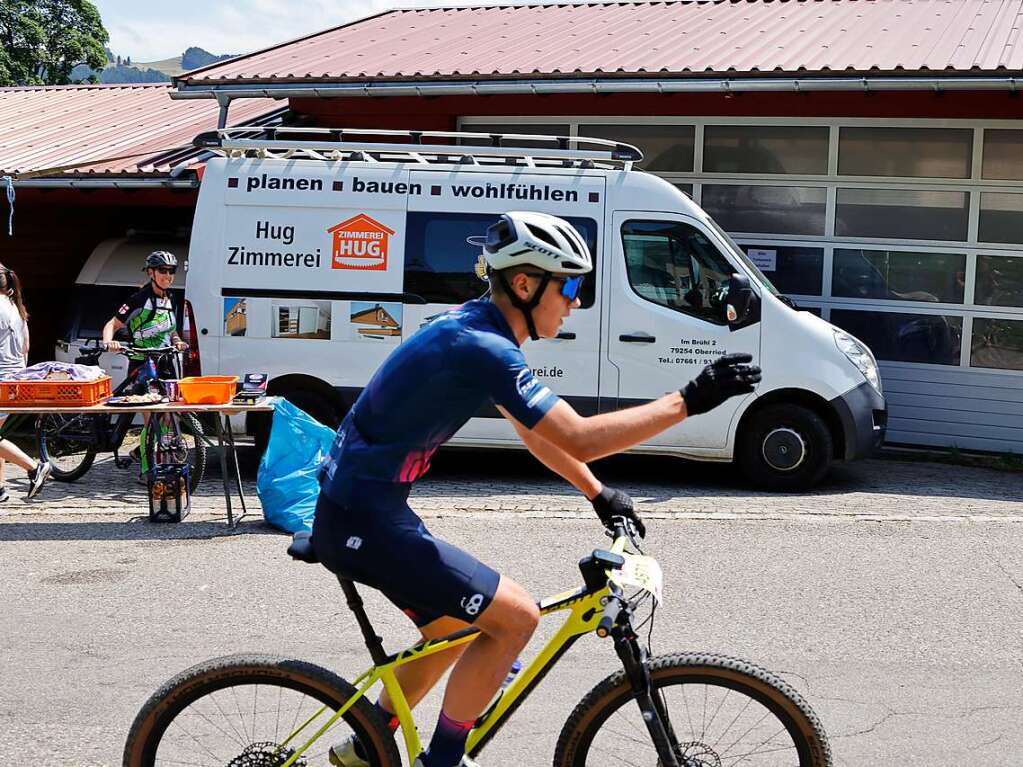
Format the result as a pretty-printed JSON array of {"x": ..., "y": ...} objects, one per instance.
[
  {"x": 698, "y": 754},
  {"x": 266, "y": 754}
]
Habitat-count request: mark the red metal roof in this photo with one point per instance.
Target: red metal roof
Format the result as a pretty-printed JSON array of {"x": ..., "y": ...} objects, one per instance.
[
  {"x": 104, "y": 129},
  {"x": 645, "y": 39}
]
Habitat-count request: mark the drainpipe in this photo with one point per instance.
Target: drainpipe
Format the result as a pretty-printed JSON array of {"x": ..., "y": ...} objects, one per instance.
[{"x": 225, "y": 103}]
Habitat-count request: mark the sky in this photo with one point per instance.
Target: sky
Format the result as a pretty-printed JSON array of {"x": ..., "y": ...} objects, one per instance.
[{"x": 152, "y": 31}]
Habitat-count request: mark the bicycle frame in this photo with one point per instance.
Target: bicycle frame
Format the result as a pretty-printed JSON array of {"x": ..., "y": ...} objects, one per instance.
[{"x": 585, "y": 608}]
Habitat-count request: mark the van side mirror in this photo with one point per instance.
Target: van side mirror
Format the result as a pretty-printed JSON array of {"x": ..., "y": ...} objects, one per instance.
[{"x": 739, "y": 299}]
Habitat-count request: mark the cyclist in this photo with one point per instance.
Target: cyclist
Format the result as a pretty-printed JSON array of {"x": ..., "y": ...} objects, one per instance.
[
  {"x": 421, "y": 395},
  {"x": 151, "y": 320},
  {"x": 13, "y": 357}
]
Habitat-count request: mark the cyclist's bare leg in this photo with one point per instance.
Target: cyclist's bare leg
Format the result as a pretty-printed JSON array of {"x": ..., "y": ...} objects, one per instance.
[
  {"x": 506, "y": 626},
  {"x": 417, "y": 679}
]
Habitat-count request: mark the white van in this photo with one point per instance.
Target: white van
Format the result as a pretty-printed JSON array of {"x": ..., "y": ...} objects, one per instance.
[
  {"x": 314, "y": 253},
  {"x": 111, "y": 274}
]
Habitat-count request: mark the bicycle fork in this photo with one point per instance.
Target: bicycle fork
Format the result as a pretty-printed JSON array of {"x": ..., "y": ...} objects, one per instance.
[{"x": 651, "y": 705}]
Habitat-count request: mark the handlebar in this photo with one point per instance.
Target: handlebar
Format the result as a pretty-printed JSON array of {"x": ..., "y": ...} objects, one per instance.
[{"x": 126, "y": 350}]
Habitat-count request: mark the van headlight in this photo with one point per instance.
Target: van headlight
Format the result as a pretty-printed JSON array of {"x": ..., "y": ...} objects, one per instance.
[{"x": 860, "y": 356}]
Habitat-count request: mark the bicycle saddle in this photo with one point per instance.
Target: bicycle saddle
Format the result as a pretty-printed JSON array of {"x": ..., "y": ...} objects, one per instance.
[{"x": 301, "y": 547}]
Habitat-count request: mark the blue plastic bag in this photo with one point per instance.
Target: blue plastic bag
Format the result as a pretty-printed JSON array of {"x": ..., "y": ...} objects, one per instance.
[{"x": 287, "y": 482}]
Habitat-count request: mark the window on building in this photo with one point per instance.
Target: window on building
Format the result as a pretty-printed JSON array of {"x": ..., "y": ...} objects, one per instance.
[
  {"x": 908, "y": 152},
  {"x": 1001, "y": 217},
  {"x": 666, "y": 148},
  {"x": 674, "y": 265},
  {"x": 1003, "y": 154},
  {"x": 931, "y": 338},
  {"x": 686, "y": 189},
  {"x": 791, "y": 269},
  {"x": 765, "y": 149},
  {"x": 896, "y": 275},
  {"x": 535, "y": 129},
  {"x": 903, "y": 214},
  {"x": 999, "y": 281},
  {"x": 997, "y": 343},
  {"x": 440, "y": 265},
  {"x": 766, "y": 209}
]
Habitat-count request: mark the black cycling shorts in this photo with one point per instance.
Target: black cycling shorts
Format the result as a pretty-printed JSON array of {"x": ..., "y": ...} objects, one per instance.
[
  {"x": 372, "y": 536},
  {"x": 165, "y": 367}
]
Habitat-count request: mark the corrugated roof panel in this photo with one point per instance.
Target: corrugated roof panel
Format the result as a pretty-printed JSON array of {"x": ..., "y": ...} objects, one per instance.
[
  {"x": 104, "y": 129},
  {"x": 668, "y": 38}
]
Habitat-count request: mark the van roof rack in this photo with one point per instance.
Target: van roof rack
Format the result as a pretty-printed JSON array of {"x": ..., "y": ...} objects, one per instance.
[{"x": 427, "y": 147}]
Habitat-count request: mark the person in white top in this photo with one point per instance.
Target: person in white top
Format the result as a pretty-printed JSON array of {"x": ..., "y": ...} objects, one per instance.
[{"x": 14, "y": 357}]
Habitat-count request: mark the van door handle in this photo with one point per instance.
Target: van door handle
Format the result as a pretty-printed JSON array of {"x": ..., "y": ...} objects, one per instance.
[
  {"x": 637, "y": 338},
  {"x": 565, "y": 336}
]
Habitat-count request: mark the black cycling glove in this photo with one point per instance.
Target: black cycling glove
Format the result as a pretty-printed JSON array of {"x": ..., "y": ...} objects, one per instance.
[
  {"x": 611, "y": 503},
  {"x": 726, "y": 377}
]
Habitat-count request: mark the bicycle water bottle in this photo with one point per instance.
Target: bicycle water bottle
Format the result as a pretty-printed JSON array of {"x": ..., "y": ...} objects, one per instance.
[{"x": 513, "y": 672}]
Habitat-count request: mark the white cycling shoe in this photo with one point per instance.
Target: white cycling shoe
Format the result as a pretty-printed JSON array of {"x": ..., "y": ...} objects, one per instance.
[
  {"x": 466, "y": 762},
  {"x": 343, "y": 754}
]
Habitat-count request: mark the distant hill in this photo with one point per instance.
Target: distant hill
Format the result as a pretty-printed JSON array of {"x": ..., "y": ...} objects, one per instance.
[{"x": 124, "y": 70}]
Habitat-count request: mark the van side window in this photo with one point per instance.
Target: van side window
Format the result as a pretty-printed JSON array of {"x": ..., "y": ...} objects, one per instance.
[
  {"x": 440, "y": 264},
  {"x": 674, "y": 264}
]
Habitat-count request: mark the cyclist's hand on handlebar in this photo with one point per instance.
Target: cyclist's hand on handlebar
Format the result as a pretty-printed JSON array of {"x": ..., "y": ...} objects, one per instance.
[
  {"x": 726, "y": 377},
  {"x": 610, "y": 503},
  {"x": 112, "y": 346}
]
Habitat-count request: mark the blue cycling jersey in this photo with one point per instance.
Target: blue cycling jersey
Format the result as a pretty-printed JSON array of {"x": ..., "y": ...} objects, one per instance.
[{"x": 426, "y": 390}]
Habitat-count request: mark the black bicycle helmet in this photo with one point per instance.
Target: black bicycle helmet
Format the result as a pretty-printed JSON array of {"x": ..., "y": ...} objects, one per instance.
[{"x": 160, "y": 258}]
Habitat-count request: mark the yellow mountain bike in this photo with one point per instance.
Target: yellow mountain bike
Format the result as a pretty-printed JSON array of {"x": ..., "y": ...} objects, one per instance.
[{"x": 679, "y": 710}]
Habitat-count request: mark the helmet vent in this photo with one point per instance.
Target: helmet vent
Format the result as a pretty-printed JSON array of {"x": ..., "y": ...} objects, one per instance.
[{"x": 543, "y": 236}]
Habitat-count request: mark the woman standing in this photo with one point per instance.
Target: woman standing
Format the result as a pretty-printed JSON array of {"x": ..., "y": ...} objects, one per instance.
[{"x": 14, "y": 357}]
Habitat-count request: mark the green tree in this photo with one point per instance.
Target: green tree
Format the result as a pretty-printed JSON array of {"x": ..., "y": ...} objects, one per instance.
[{"x": 41, "y": 41}]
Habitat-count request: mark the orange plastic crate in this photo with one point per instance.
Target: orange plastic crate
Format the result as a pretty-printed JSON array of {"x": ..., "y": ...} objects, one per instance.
[
  {"x": 207, "y": 390},
  {"x": 54, "y": 393}
]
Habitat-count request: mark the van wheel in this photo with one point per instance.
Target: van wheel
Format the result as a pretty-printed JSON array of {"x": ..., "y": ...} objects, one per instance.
[
  {"x": 785, "y": 447},
  {"x": 312, "y": 402}
]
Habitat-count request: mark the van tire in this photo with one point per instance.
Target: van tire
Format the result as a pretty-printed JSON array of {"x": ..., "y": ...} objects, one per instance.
[
  {"x": 785, "y": 447},
  {"x": 312, "y": 402}
]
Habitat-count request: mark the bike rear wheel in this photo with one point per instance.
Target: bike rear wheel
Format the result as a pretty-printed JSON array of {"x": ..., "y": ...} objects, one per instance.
[
  {"x": 239, "y": 711},
  {"x": 723, "y": 712},
  {"x": 68, "y": 442}
]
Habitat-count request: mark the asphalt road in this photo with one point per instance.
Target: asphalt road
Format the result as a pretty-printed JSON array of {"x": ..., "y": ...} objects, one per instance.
[{"x": 892, "y": 599}]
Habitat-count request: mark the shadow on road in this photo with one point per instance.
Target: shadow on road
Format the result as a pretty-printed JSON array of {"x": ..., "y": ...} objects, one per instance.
[{"x": 137, "y": 529}]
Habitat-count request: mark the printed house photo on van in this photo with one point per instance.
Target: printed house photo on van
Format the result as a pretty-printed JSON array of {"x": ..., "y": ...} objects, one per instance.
[
  {"x": 300, "y": 318},
  {"x": 376, "y": 320},
  {"x": 234, "y": 317}
]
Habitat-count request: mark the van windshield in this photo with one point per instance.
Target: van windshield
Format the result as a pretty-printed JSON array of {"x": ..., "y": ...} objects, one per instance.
[
  {"x": 92, "y": 305},
  {"x": 740, "y": 254}
]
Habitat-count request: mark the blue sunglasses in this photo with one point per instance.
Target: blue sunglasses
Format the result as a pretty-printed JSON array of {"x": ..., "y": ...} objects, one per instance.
[{"x": 570, "y": 286}]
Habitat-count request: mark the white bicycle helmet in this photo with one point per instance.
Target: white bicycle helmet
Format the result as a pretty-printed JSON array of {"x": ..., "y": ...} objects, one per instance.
[
  {"x": 523, "y": 238},
  {"x": 547, "y": 242},
  {"x": 159, "y": 258}
]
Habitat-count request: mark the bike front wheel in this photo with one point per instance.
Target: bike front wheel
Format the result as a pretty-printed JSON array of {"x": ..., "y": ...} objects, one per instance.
[
  {"x": 253, "y": 711},
  {"x": 186, "y": 446},
  {"x": 68, "y": 442},
  {"x": 722, "y": 711}
]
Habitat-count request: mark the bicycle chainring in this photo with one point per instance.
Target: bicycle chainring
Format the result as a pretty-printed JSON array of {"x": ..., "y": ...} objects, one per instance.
[{"x": 266, "y": 754}]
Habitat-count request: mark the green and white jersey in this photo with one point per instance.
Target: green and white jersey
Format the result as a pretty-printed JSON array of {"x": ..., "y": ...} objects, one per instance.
[{"x": 149, "y": 318}]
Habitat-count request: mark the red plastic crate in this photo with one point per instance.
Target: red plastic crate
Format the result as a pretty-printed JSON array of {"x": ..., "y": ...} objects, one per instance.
[{"x": 54, "y": 393}]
